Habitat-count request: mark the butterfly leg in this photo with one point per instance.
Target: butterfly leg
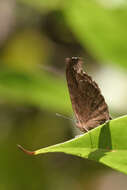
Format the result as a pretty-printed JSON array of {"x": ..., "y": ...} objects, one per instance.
[{"x": 107, "y": 121}]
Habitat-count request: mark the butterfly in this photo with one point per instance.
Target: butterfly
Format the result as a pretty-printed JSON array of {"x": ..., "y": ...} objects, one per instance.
[{"x": 88, "y": 103}]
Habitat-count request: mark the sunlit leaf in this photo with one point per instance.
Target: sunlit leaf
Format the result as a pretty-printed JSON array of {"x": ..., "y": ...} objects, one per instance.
[{"x": 106, "y": 144}]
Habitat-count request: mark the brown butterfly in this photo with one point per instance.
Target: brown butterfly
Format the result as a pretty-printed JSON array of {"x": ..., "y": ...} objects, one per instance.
[{"x": 88, "y": 103}]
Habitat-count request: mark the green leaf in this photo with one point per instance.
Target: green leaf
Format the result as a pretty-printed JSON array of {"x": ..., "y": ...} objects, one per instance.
[
  {"x": 100, "y": 28},
  {"x": 41, "y": 90},
  {"x": 106, "y": 144}
]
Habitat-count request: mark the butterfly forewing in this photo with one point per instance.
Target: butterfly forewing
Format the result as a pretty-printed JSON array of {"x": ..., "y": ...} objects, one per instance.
[{"x": 88, "y": 103}]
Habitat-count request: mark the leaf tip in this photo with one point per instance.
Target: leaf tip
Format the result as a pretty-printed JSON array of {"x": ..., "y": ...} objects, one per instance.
[{"x": 26, "y": 151}]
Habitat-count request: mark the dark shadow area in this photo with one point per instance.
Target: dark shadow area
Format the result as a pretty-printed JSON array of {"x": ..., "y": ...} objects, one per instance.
[
  {"x": 105, "y": 141},
  {"x": 104, "y": 144}
]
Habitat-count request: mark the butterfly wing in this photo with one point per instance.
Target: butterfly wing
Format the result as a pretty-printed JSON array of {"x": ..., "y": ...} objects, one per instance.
[{"x": 88, "y": 103}]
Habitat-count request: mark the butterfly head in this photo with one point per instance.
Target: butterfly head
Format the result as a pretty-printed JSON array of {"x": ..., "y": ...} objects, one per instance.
[{"x": 74, "y": 63}]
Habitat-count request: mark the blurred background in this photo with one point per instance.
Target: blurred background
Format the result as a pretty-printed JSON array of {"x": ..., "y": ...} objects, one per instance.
[{"x": 35, "y": 38}]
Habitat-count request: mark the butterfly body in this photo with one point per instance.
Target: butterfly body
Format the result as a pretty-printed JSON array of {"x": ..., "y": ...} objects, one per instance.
[{"x": 88, "y": 103}]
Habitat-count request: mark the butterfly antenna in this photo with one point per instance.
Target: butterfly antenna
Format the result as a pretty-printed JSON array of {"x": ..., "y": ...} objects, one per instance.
[{"x": 65, "y": 117}]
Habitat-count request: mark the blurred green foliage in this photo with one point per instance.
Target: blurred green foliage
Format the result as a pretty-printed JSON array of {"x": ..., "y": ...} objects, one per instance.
[
  {"x": 42, "y": 5},
  {"x": 101, "y": 29},
  {"x": 41, "y": 90},
  {"x": 99, "y": 26},
  {"x": 35, "y": 38},
  {"x": 26, "y": 50}
]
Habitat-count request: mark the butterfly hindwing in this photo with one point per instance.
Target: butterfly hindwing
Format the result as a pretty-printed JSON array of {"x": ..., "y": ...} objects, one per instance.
[{"x": 88, "y": 103}]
